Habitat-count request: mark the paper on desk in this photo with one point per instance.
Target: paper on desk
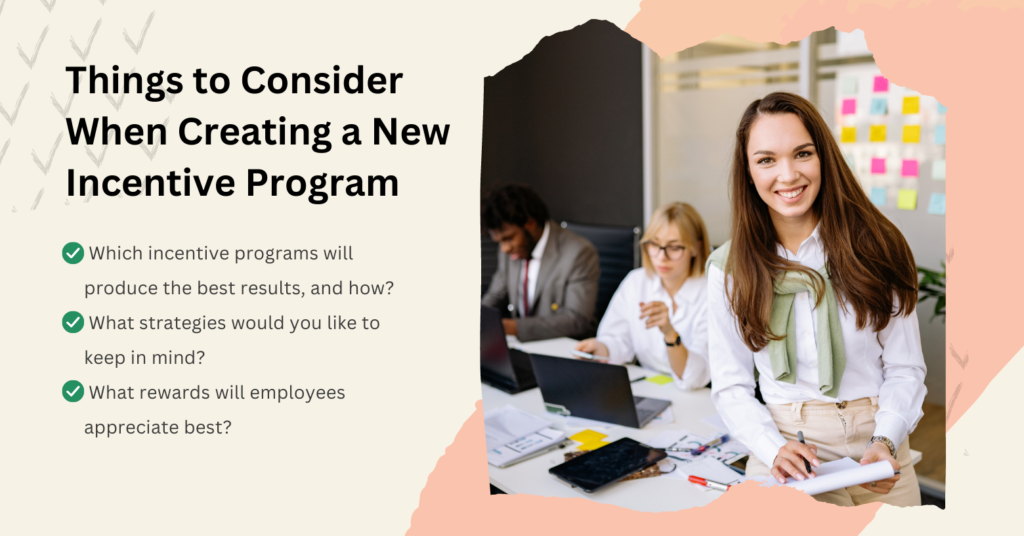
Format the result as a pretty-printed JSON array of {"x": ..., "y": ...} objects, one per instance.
[
  {"x": 685, "y": 439},
  {"x": 836, "y": 475},
  {"x": 505, "y": 425},
  {"x": 665, "y": 417},
  {"x": 710, "y": 469}
]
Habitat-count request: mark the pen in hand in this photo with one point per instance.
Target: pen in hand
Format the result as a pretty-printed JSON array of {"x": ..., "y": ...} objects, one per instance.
[{"x": 807, "y": 463}]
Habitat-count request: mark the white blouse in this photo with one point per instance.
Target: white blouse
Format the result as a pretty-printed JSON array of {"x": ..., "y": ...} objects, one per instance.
[
  {"x": 625, "y": 333},
  {"x": 888, "y": 364}
]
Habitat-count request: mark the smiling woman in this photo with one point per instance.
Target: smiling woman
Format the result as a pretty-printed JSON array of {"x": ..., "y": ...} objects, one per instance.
[{"x": 816, "y": 291}]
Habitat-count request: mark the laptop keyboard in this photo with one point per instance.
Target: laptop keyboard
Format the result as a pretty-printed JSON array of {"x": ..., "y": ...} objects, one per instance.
[{"x": 645, "y": 407}]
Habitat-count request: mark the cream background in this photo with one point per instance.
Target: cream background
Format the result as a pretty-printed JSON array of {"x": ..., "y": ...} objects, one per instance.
[
  {"x": 351, "y": 466},
  {"x": 356, "y": 465}
]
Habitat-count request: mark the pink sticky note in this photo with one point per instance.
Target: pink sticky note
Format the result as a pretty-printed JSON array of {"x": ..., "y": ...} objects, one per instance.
[
  {"x": 909, "y": 168},
  {"x": 878, "y": 165},
  {"x": 881, "y": 84},
  {"x": 849, "y": 106}
]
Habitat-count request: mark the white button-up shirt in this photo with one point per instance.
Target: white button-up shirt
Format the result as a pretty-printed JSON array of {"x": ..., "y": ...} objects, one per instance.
[
  {"x": 888, "y": 364},
  {"x": 526, "y": 302},
  {"x": 625, "y": 333}
]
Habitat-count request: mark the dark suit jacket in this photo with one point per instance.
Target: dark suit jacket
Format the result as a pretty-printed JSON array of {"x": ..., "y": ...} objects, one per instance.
[{"x": 566, "y": 291}]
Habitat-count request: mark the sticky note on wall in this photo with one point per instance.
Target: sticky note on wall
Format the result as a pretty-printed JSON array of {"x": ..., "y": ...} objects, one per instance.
[
  {"x": 881, "y": 84},
  {"x": 911, "y": 105},
  {"x": 911, "y": 133},
  {"x": 878, "y": 196},
  {"x": 937, "y": 204},
  {"x": 940, "y": 134},
  {"x": 850, "y": 85},
  {"x": 879, "y": 106},
  {"x": 907, "y": 199},
  {"x": 877, "y": 133},
  {"x": 849, "y": 106},
  {"x": 909, "y": 168},
  {"x": 878, "y": 165},
  {"x": 942, "y": 110},
  {"x": 849, "y": 135},
  {"x": 939, "y": 170}
]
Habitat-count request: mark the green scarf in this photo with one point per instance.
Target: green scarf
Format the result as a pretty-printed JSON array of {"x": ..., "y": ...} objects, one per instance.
[{"x": 782, "y": 353}]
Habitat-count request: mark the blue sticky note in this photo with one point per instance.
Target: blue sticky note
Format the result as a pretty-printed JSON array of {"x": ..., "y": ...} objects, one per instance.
[
  {"x": 940, "y": 134},
  {"x": 879, "y": 106},
  {"x": 879, "y": 196},
  {"x": 937, "y": 205},
  {"x": 942, "y": 110}
]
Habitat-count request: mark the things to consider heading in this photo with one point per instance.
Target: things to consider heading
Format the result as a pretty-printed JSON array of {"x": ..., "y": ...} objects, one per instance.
[{"x": 156, "y": 87}]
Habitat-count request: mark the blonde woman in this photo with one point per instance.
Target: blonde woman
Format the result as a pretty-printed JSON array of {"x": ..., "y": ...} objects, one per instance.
[{"x": 659, "y": 312}]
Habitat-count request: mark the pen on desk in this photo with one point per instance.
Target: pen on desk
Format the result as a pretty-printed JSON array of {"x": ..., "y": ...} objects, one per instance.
[
  {"x": 710, "y": 483},
  {"x": 714, "y": 442},
  {"x": 638, "y": 379},
  {"x": 807, "y": 464}
]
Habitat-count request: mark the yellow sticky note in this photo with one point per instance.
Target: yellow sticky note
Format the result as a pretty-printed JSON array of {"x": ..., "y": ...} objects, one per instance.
[
  {"x": 660, "y": 379},
  {"x": 877, "y": 133},
  {"x": 911, "y": 105},
  {"x": 849, "y": 135},
  {"x": 911, "y": 133},
  {"x": 593, "y": 445},
  {"x": 907, "y": 200},
  {"x": 587, "y": 436}
]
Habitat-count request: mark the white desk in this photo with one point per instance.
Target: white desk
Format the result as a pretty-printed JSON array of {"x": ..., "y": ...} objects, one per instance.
[{"x": 648, "y": 494}]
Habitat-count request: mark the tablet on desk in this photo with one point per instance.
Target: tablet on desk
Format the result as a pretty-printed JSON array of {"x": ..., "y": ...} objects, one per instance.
[{"x": 607, "y": 465}]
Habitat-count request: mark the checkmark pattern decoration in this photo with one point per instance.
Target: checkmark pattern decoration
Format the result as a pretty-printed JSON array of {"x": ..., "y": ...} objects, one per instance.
[{"x": 38, "y": 40}]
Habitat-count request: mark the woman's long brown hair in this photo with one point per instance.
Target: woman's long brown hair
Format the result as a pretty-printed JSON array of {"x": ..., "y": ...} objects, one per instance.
[{"x": 869, "y": 261}]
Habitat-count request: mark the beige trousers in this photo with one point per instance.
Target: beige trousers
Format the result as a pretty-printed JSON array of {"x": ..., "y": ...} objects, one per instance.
[{"x": 841, "y": 430}]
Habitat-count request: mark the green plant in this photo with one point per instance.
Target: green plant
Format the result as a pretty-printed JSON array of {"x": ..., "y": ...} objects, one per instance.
[{"x": 933, "y": 285}]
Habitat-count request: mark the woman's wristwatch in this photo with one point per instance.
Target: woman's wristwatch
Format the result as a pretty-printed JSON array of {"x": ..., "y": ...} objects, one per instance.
[
  {"x": 886, "y": 441},
  {"x": 679, "y": 340}
]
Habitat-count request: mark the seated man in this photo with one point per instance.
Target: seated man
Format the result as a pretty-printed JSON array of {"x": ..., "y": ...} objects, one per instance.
[{"x": 547, "y": 276}]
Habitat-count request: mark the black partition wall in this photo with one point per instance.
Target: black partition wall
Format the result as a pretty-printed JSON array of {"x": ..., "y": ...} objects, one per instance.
[{"x": 567, "y": 121}]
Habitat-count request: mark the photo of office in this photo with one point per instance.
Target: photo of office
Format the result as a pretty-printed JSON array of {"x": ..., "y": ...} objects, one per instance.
[{"x": 726, "y": 264}]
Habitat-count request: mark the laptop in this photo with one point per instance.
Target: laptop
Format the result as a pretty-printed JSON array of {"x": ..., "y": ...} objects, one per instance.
[
  {"x": 500, "y": 367},
  {"x": 597, "y": 391}
]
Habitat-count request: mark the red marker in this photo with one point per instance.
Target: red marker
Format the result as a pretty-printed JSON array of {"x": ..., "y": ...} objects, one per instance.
[{"x": 710, "y": 483}]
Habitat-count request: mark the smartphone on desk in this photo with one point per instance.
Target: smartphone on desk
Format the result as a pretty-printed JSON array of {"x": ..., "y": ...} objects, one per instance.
[{"x": 607, "y": 465}]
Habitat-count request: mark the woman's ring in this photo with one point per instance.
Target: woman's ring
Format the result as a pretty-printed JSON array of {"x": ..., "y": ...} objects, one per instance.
[{"x": 872, "y": 484}]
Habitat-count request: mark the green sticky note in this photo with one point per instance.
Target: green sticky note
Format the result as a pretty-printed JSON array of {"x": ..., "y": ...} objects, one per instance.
[
  {"x": 660, "y": 379},
  {"x": 939, "y": 170},
  {"x": 907, "y": 199},
  {"x": 850, "y": 85}
]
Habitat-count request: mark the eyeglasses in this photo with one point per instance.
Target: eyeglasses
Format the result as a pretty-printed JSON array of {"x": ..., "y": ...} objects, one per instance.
[{"x": 673, "y": 252}]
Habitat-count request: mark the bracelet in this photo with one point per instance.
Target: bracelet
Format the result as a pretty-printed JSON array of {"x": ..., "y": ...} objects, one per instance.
[{"x": 886, "y": 441}]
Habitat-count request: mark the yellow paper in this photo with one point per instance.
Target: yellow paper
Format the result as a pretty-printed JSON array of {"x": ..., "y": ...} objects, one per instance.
[
  {"x": 587, "y": 436},
  {"x": 907, "y": 200},
  {"x": 911, "y": 133},
  {"x": 849, "y": 135},
  {"x": 660, "y": 379},
  {"x": 593, "y": 445},
  {"x": 911, "y": 105},
  {"x": 877, "y": 133}
]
